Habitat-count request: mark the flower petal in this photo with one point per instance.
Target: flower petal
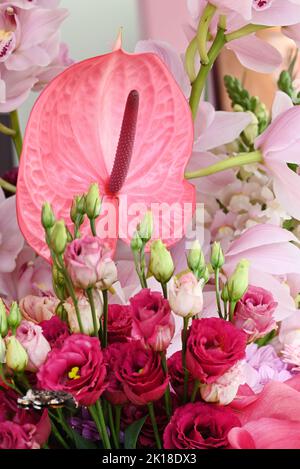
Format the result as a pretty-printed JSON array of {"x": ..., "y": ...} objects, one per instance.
[
  {"x": 280, "y": 13},
  {"x": 286, "y": 187},
  {"x": 282, "y": 103}
]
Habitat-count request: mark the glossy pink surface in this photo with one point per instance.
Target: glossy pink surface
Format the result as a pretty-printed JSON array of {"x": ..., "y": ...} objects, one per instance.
[{"x": 72, "y": 137}]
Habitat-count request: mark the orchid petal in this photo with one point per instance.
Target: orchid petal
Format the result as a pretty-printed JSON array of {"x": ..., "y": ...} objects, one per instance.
[
  {"x": 293, "y": 32},
  {"x": 286, "y": 187},
  {"x": 280, "y": 13},
  {"x": 282, "y": 103}
]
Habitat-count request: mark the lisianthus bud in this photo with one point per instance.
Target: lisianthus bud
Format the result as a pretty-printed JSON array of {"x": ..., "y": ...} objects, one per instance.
[
  {"x": 59, "y": 237},
  {"x": 217, "y": 257},
  {"x": 225, "y": 295},
  {"x": 161, "y": 262},
  {"x": 78, "y": 209},
  {"x": 2, "y": 351},
  {"x": 136, "y": 243},
  {"x": 93, "y": 202},
  {"x": 3, "y": 320},
  {"x": 185, "y": 295},
  {"x": 196, "y": 260},
  {"x": 85, "y": 313},
  {"x": 16, "y": 355},
  {"x": 145, "y": 228},
  {"x": 251, "y": 131},
  {"x": 14, "y": 319},
  {"x": 238, "y": 282},
  {"x": 48, "y": 217}
]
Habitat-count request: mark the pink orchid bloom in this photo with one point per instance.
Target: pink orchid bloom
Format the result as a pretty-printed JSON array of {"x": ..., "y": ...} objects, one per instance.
[
  {"x": 271, "y": 419},
  {"x": 28, "y": 4},
  {"x": 80, "y": 120},
  {"x": 280, "y": 144},
  {"x": 11, "y": 240},
  {"x": 244, "y": 7}
]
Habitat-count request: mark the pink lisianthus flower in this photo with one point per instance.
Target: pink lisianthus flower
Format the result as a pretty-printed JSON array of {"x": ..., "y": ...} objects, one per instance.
[
  {"x": 37, "y": 309},
  {"x": 224, "y": 390},
  {"x": 254, "y": 313},
  {"x": 55, "y": 331},
  {"x": 34, "y": 342},
  {"x": 270, "y": 420},
  {"x": 185, "y": 295}
]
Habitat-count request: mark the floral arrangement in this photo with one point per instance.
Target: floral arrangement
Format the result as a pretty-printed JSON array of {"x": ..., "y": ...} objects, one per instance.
[{"x": 122, "y": 326}]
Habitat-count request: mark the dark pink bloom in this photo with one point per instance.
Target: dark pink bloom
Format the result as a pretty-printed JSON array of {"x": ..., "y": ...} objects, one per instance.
[
  {"x": 177, "y": 375},
  {"x": 114, "y": 356},
  {"x": 153, "y": 321},
  {"x": 119, "y": 323},
  {"x": 200, "y": 426},
  {"x": 213, "y": 347},
  {"x": 56, "y": 331},
  {"x": 142, "y": 375},
  {"x": 77, "y": 368},
  {"x": 254, "y": 313}
]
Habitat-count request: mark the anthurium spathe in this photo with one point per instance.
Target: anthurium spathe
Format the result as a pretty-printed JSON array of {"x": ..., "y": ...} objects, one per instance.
[{"x": 119, "y": 120}]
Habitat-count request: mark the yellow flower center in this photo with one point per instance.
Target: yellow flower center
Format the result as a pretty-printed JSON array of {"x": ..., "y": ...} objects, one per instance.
[
  {"x": 73, "y": 374},
  {"x": 4, "y": 35}
]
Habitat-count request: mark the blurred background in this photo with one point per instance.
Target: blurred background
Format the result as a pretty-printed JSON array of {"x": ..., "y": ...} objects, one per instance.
[{"x": 92, "y": 27}]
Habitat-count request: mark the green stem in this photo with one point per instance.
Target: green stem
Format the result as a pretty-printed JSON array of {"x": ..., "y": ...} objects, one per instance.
[
  {"x": 165, "y": 290},
  {"x": 217, "y": 285},
  {"x": 190, "y": 57},
  {"x": 225, "y": 310},
  {"x": 93, "y": 227},
  {"x": 58, "y": 436},
  {"x": 154, "y": 425},
  {"x": 10, "y": 385},
  {"x": 195, "y": 390},
  {"x": 245, "y": 31},
  {"x": 138, "y": 270},
  {"x": 199, "y": 83},
  {"x": 168, "y": 400},
  {"x": 118, "y": 412},
  {"x": 17, "y": 138},
  {"x": 233, "y": 162},
  {"x": 202, "y": 32},
  {"x": 7, "y": 131},
  {"x": 7, "y": 186},
  {"x": 97, "y": 414},
  {"x": 143, "y": 266},
  {"x": 63, "y": 423},
  {"x": 185, "y": 371},
  {"x": 93, "y": 309},
  {"x": 105, "y": 317},
  {"x": 112, "y": 427}
]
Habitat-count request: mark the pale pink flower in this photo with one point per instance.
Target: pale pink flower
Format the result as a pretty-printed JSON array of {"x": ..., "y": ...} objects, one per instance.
[
  {"x": 11, "y": 239},
  {"x": 291, "y": 356},
  {"x": 185, "y": 295},
  {"x": 85, "y": 313},
  {"x": 244, "y": 7},
  {"x": 289, "y": 333},
  {"x": 36, "y": 345},
  {"x": 37, "y": 309},
  {"x": 225, "y": 389}
]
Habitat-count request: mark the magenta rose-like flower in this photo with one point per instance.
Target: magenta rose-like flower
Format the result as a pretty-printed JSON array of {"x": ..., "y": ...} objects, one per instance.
[
  {"x": 56, "y": 331},
  {"x": 213, "y": 347},
  {"x": 119, "y": 325},
  {"x": 200, "y": 426},
  {"x": 176, "y": 373},
  {"x": 34, "y": 342},
  {"x": 254, "y": 313},
  {"x": 88, "y": 261},
  {"x": 142, "y": 375},
  {"x": 114, "y": 356},
  {"x": 77, "y": 368},
  {"x": 153, "y": 322}
]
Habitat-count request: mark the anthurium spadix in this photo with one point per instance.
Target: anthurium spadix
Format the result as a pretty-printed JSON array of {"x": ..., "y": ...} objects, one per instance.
[{"x": 119, "y": 120}]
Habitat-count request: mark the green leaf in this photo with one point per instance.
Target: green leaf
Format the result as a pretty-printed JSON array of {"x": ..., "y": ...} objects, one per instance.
[
  {"x": 82, "y": 443},
  {"x": 132, "y": 433},
  {"x": 265, "y": 340}
]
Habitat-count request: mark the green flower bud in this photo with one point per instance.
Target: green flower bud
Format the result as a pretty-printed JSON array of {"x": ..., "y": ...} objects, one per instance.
[
  {"x": 217, "y": 257},
  {"x": 78, "y": 209},
  {"x": 136, "y": 243},
  {"x": 58, "y": 281},
  {"x": 145, "y": 228},
  {"x": 2, "y": 351},
  {"x": 238, "y": 108},
  {"x": 59, "y": 237},
  {"x": 48, "y": 217},
  {"x": 238, "y": 282},
  {"x": 16, "y": 355},
  {"x": 161, "y": 262},
  {"x": 252, "y": 130},
  {"x": 206, "y": 275},
  {"x": 225, "y": 295},
  {"x": 93, "y": 202},
  {"x": 14, "y": 319},
  {"x": 3, "y": 320},
  {"x": 196, "y": 260}
]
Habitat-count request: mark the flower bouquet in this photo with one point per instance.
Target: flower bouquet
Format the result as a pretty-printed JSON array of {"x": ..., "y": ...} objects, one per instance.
[{"x": 150, "y": 262}]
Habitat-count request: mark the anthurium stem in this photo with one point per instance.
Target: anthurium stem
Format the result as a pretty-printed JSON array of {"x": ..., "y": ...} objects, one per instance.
[
  {"x": 244, "y": 31},
  {"x": 17, "y": 137},
  {"x": 7, "y": 130},
  {"x": 202, "y": 32},
  {"x": 233, "y": 162}
]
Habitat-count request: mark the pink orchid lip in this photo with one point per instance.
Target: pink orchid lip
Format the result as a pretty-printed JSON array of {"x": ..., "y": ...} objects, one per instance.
[{"x": 126, "y": 144}]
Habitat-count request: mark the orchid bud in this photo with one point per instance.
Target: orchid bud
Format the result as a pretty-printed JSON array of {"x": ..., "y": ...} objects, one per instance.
[
  {"x": 48, "y": 217},
  {"x": 16, "y": 355},
  {"x": 239, "y": 281},
  {"x": 14, "y": 319},
  {"x": 217, "y": 257},
  {"x": 3, "y": 320},
  {"x": 145, "y": 228},
  {"x": 59, "y": 237},
  {"x": 136, "y": 243},
  {"x": 251, "y": 131},
  {"x": 93, "y": 202},
  {"x": 161, "y": 262},
  {"x": 2, "y": 351},
  {"x": 196, "y": 260}
]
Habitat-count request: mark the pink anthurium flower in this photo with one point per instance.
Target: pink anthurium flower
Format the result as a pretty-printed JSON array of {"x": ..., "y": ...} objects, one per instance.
[{"x": 118, "y": 119}]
